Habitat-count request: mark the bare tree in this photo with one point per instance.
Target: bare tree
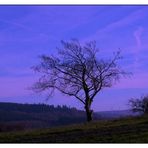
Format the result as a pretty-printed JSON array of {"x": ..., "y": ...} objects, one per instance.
[
  {"x": 77, "y": 71},
  {"x": 139, "y": 105}
]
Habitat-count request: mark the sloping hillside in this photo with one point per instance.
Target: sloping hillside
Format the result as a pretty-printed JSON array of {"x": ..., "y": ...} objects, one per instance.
[{"x": 130, "y": 130}]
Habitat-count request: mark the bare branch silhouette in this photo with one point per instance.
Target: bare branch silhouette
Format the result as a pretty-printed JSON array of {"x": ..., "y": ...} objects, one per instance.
[{"x": 78, "y": 71}]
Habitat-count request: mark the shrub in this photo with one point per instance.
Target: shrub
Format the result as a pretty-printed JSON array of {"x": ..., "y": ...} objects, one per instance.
[{"x": 139, "y": 105}]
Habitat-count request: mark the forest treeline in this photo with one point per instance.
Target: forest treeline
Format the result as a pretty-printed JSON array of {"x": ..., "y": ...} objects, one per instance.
[{"x": 15, "y": 116}]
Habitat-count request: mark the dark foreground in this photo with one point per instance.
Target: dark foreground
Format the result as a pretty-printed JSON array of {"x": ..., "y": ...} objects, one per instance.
[{"x": 129, "y": 130}]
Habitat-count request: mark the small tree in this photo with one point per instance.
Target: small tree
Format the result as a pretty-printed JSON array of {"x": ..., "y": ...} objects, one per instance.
[
  {"x": 139, "y": 105},
  {"x": 77, "y": 71}
]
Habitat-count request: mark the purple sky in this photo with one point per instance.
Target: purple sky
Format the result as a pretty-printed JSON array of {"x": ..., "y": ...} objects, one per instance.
[{"x": 28, "y": 31}]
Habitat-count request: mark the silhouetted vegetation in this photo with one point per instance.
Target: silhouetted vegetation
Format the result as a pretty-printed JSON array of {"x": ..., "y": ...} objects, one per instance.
[
  {"x": 139, "y": 104},
  {"x": 78, "y": 71},
  {"x": 15, "y": 116}
]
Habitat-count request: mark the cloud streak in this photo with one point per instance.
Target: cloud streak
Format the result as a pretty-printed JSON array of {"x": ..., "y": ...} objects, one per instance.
[
  {"x": 129, "y": 19},
  {"x": 16, "y": 24},
  {"x": 137, "y": 34}
]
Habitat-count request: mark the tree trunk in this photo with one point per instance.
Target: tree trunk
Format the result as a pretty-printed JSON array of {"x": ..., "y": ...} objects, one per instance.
[{"x": 88, "y": 114}]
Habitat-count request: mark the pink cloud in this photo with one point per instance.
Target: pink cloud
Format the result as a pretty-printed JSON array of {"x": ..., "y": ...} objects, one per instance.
[
  {"x": 138, "y": 80},
  {"x": 13, "y": 87}
]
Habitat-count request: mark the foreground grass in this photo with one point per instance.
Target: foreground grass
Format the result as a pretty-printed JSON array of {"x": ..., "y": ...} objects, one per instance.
[{"x": 129, "y": 130}]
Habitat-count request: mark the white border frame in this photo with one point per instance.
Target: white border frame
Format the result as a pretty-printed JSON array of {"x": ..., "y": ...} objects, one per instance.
[{"x": 74, "y": 2}]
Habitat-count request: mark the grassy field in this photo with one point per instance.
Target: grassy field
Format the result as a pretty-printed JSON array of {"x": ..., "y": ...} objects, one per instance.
[{"x": 129, "y": 130}]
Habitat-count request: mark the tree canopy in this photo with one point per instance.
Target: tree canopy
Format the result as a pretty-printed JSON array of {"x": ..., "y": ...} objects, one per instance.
[{"x": 77, "y": 70}]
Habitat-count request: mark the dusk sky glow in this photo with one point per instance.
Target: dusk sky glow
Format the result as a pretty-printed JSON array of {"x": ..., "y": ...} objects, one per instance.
[{"x": 29, "y": 31}]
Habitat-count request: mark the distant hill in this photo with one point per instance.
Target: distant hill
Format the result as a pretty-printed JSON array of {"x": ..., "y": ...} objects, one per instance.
[{"x": 116, "y": 114}]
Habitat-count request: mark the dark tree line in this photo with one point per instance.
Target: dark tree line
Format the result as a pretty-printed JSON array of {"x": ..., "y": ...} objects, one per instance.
[
  {"x": 34, "y": 108},
  {"x": 15, "y": 116}
]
